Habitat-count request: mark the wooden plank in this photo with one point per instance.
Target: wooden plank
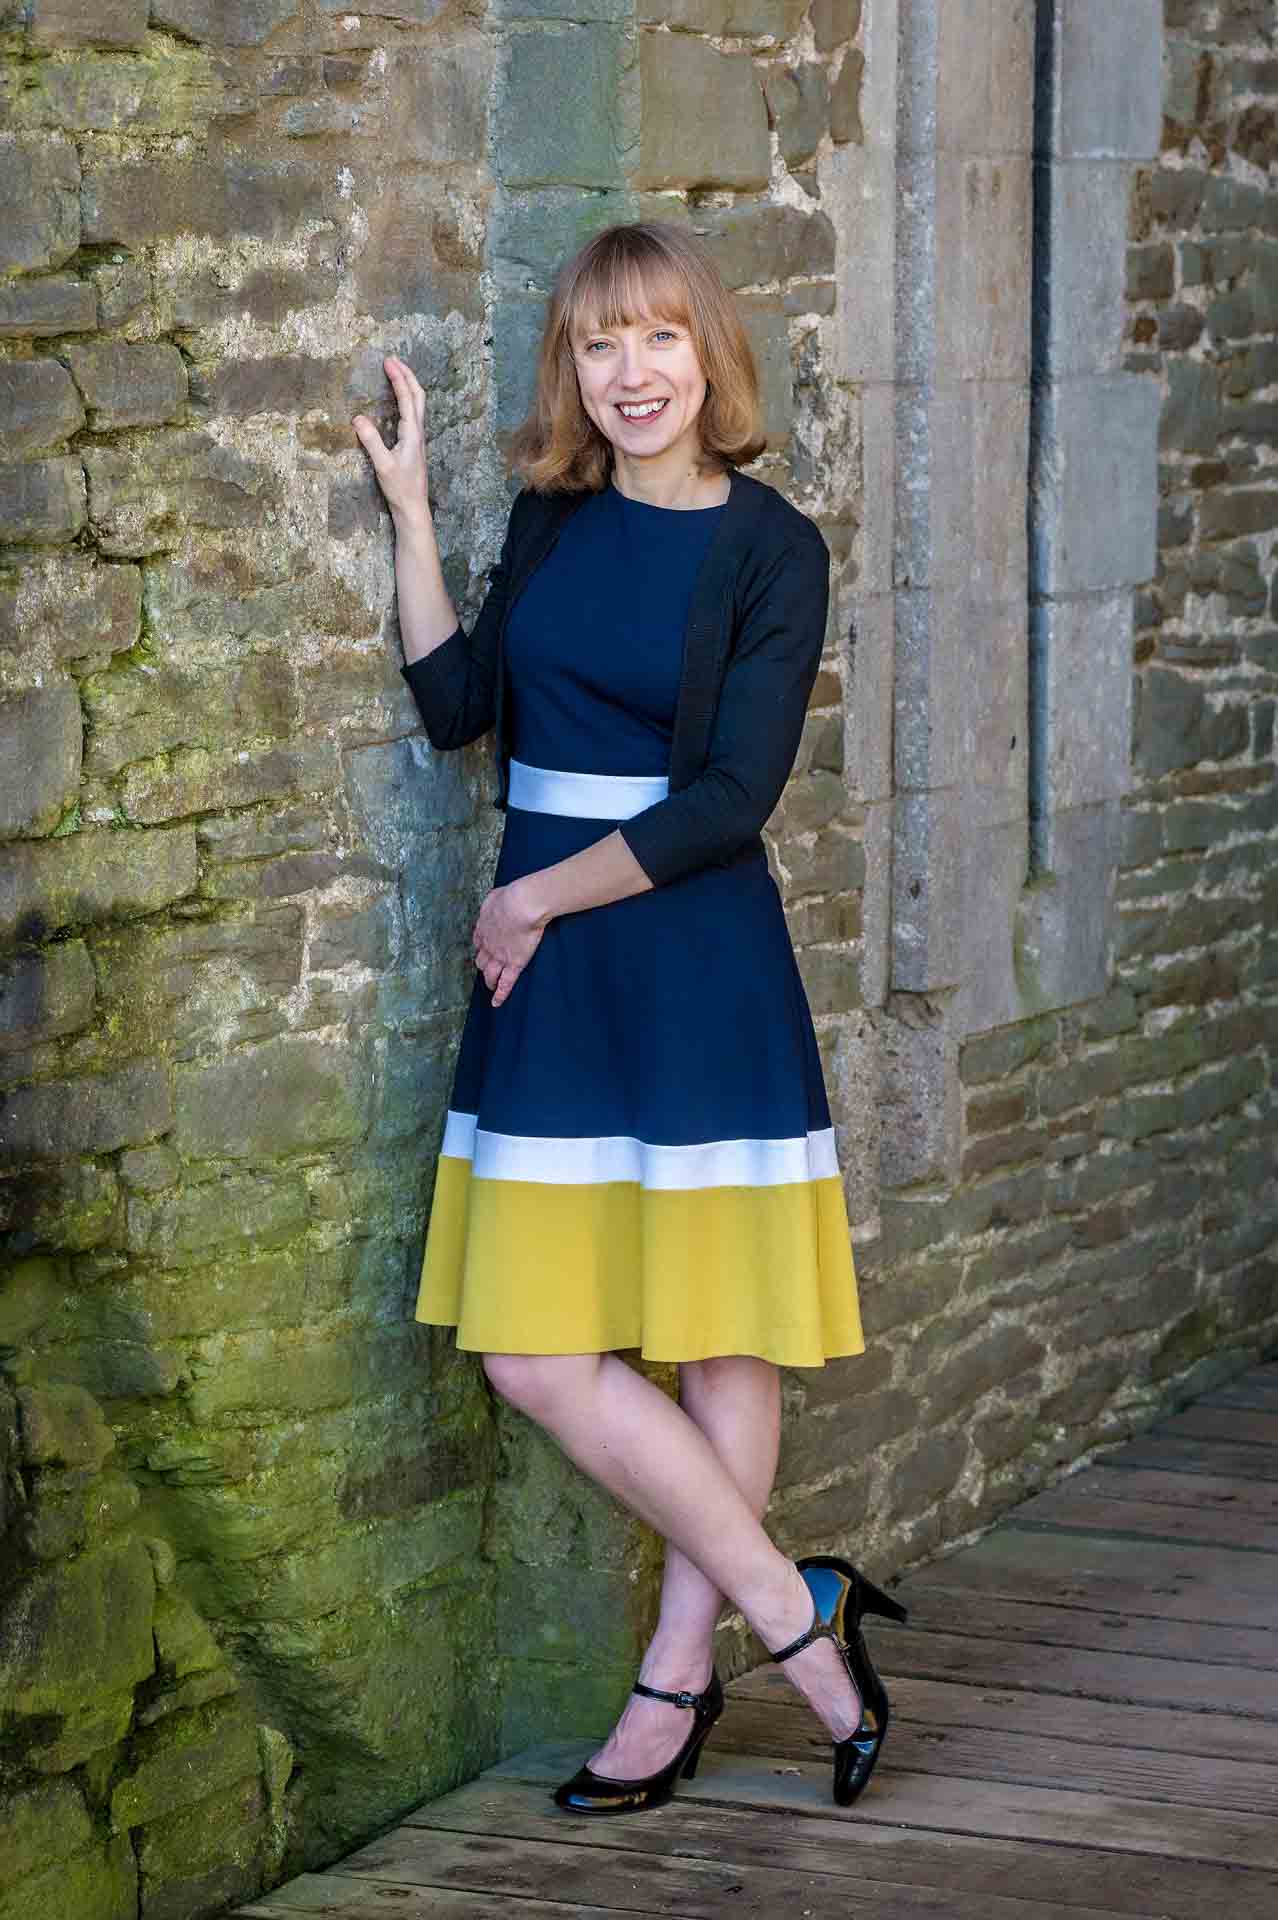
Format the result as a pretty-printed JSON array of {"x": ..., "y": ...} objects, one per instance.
[
  {"x": 936, "y": 1803},
  {"x": 1028, "y": 1758},
  {"x": 997, "y": 1709},
  {"x": 1197, "y": 1456},
  {"x": 937, "y": 1608},
  {"x": 1068, "y": 1876},
  {"x": 1093, "y": 1570},
  {"x": 1139, "y": 1518},
  {"x": 1216, "y": 1493},
  {"x": 342, "y": 1897},
  {"x": 1235, "y": 1425},
  {"x": 605, "y": 1877}
]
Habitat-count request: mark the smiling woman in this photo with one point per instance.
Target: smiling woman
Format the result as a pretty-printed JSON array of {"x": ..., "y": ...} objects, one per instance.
[{"x": 638, "y": 1152}]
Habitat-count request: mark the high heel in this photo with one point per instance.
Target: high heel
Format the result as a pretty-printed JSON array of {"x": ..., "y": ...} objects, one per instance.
[
  {"x": 840, "y": 1598},
  {"x": 591, "y": 1792}
]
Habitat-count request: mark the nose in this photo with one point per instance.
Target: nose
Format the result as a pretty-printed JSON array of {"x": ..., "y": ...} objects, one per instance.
[{"x": 633, "y": 370}]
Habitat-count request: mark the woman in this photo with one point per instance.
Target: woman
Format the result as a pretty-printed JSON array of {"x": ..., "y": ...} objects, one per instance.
[{"x": 638, "y": 1152}]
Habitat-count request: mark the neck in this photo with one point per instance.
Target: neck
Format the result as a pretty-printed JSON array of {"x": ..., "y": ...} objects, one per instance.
[{"x": 675, "y": 478}]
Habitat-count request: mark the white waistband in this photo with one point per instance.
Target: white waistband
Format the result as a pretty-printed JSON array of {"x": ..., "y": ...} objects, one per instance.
[{"x": 588, "y": 796}]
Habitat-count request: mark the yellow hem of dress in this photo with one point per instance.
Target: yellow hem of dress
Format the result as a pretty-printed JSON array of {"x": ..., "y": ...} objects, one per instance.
[{"x": 673, "y": 1274}]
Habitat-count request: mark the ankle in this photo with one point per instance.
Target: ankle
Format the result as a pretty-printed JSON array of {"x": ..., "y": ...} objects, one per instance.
[
  {"x": 783, "y": 1611},
  {"x": 675, "y": 1664}
]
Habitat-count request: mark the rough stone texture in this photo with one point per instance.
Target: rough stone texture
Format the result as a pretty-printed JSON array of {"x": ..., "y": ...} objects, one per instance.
[{"x": 259, "y": 1505}]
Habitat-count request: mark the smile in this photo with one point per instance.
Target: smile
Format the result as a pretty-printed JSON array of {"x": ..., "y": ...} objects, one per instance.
[{"x": 640, "y": 409}]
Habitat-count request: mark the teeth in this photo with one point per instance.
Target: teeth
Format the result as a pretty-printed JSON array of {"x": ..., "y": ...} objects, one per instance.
[{"x": 641, "y": 411}]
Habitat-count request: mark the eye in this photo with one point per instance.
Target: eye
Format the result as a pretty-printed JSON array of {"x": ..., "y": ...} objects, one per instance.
[
  {"x": 592, "y": 344},
  {"x": 665, "y": 333}
]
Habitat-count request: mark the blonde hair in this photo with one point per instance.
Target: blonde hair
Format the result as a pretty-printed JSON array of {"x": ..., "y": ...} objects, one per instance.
[{"x": 623, "y": 274}]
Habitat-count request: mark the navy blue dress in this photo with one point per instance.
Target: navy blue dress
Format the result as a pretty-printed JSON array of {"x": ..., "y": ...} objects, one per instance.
[{"x": 638, "y": 1151}]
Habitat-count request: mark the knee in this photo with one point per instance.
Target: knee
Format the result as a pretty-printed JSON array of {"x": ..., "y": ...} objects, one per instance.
[{"x": 533, "y": 1382}]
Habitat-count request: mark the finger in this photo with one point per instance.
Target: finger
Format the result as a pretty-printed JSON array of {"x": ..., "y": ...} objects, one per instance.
[
  {"x": 369, "y": 437},
  {"x": 505, "y": 984}
]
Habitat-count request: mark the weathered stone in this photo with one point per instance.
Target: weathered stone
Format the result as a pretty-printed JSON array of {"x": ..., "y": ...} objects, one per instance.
[
  {"x": 38, "y": 405},
  {"x": 79, "y": 1633},
  {"x": 108, "y": 23},
  {"x": 143, "y": 496},
  {"x": 67, "y": 609},
  {"x": 62, "y": 1427},
  {"x": 208, "y": 1858},
  {"x": 845, "y": 100},
  {"x": 227, "y": 23},
  {"x": 288, "y": 1095},
  {"x": 39, "y": 758},
  {"x": 580, "y": 142},
  {"x": 834, "y": 21},
  {"x": 92, "y": 876},
  {"x": 128, "y": 386},
  {"x": 194, "y": 780},
  {"x": 773, "y": 19},
  {"x": 288, "y": 384},
  {"x": 95, "y": 1114},
  {"x": 181, "y": 1762},
  {"x": 183, "y": 1642},
  {"x": 86, "y": 93},
  {"x": 799, "y": 108},
  {"x": 138, "y": 710},
  {"x": 131, "y": 202},
  {"x": 756, "y": 245},
  {"x": 43, "y": 500},
  {"x": 704, "y": 122},
  {"x": 101, "y": 1880},
  {"x": 123, "y": 288},
  {"x": 42, "y": 1820},
  {"x": 56, "y": 304},
  {"x": 39, "y": 202}
]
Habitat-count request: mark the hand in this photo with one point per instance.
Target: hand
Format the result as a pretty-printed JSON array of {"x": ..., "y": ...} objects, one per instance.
[
  {"x": 507, "y": 934},
  {"x": 401, "y": 469}
]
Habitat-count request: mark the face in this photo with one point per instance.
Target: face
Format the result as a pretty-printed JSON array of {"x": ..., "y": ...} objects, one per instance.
[{"x": 642, "y": 385}]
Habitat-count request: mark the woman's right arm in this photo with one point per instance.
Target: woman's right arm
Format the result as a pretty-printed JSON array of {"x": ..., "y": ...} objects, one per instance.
[{"x": 452, "y": 676}]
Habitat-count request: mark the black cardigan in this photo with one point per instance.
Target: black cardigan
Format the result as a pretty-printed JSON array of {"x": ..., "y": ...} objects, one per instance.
[{"x": 752, "y": 649}]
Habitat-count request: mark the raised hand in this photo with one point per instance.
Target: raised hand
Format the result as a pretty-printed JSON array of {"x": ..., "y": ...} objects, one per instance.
[{"x": 400, "y": 469}]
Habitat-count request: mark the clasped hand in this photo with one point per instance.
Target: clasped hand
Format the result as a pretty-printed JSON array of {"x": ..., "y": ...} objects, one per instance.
[{"x": 507, "y": 934}]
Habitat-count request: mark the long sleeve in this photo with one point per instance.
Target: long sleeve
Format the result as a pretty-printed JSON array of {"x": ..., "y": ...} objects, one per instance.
[
  {"x": 455, "y": 685},
  {"x": 776, "y": 655}
]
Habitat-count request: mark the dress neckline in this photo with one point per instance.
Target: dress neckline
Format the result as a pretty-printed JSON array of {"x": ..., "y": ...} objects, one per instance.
[{"x": 649, "y": 507}]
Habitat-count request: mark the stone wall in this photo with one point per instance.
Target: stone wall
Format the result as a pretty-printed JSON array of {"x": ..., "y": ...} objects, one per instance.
[{"x": 319, "y": 1571}]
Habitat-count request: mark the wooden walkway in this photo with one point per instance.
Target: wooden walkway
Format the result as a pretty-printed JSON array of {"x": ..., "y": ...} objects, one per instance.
[{"x": 1085, "y": 1724}]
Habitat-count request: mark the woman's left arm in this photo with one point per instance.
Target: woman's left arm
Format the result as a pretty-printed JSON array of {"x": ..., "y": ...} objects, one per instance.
[{"x": 758, "y": 726}]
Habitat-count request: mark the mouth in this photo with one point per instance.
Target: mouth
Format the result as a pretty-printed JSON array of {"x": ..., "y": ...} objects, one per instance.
[{"x": 639, "y": 410}]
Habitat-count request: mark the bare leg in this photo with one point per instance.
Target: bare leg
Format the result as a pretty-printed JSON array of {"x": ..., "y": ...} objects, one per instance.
[{"x": 653, "y": 1456}]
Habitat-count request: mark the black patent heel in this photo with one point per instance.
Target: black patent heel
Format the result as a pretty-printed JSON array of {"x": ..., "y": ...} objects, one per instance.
[
  {"x": 591, "y": 1792},
  {"x": 840, "y": 1597}
]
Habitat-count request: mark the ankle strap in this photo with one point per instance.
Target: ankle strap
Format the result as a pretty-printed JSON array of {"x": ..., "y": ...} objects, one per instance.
[{"x": 681, "y": 1699}]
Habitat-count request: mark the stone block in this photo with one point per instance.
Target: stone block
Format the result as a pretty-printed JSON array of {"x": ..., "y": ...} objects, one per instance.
[
  {"x": 45, "y": 993},
  {"x": 95, "y": 1114},
  {"x": 704, "y": 122},
  {"x": 1192, "y": 419},
  {"x": 1065, "y": 922},
  {"x": 41, "y": 1821},
  {"x": 1086, "y": 256},
  {"x": 208, "y": 1858},
  {"x": 437, "y": 99},
  {"x": 183, "y": 1761},
  {"x": 86, "y": 93},
  {"x": 976, "y": 454},
  {"x": 69, "y": 609},
  {"x": 76, "y": 1634},
  {"x": 1085, "y": 643},
  {"x": 62, "y": 1426},
  {"x": 292, "y": 1094},
  {"x": 196, "y": 780},
  {"x": 863, "y": 182},
  {"x": 183, "y": 1642},
  {"x": 228, "y": 23},
  {"x": 289, "y": 384},
  {"x": 134, "y": 201},
  {"x": 985, "y": 77},
  {"x": 918, "y": 1093},
  {"x": 799, "y": 108},
  {"x": 38, "y": 405},
  {"x": 108, "y": 23},
  {"x": 129, "y": 386},
  {"x": 750, "y": 19},
  {"x": 765, "y": 326},
  {"x": 102, "y": 1880},
  {"x": 135, "y": 711},
  {"x": 39, "y": 203},
  {"x": 39, "y": 758},
  {"x": 57, "y": 303},
  {"x": 561, "y": 112},
  {"x": 845, "y": 100},
  {"x": 144, "y": 496},
  {"x": 994, "y": 859},
  {"x": 927, "y": 879},
  {"x": 1096, "y": 484},
  {"x": 84, "y": 876},
  {"x": 833, "y": 22},
  {"x": 1108, "y": 80},
  {"x": 41, "y": 500},
  {"x": 755, "y": 245}
]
